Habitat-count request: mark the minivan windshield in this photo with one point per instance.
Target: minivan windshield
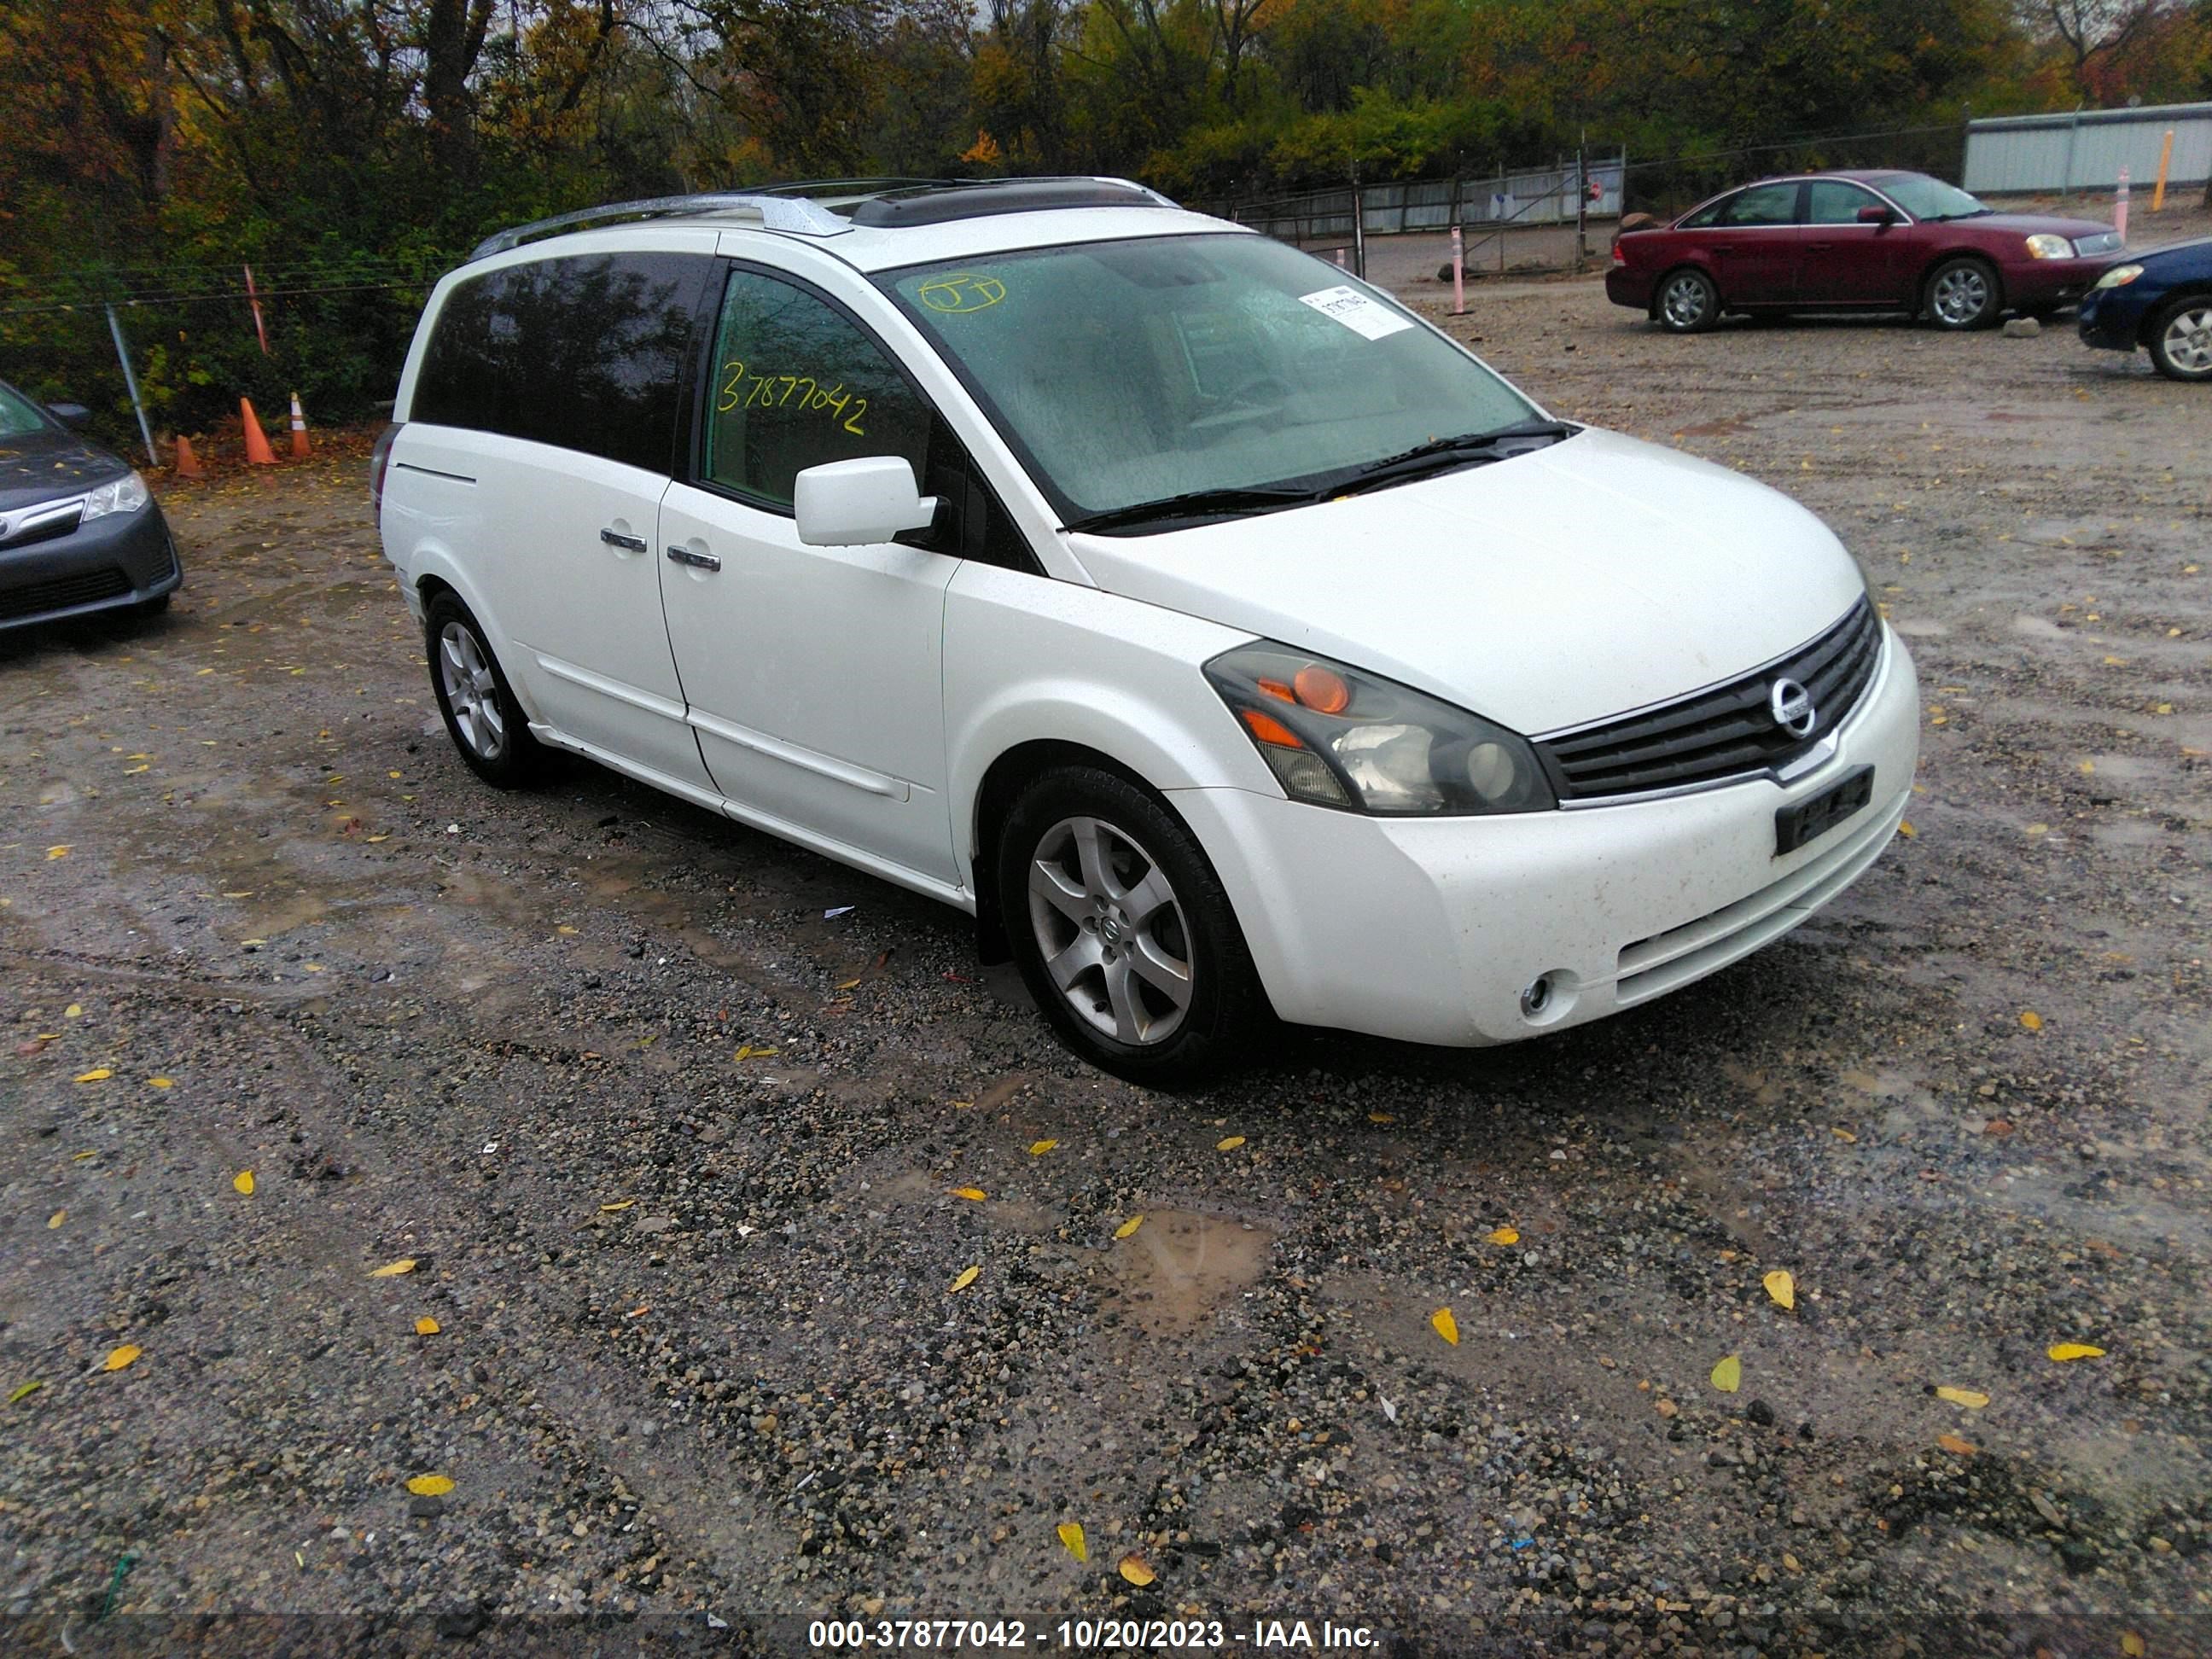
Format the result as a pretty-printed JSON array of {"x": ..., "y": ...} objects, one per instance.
[
  {"x": 1223, "y": 366},
  {"x": 1926, "y": 199}
]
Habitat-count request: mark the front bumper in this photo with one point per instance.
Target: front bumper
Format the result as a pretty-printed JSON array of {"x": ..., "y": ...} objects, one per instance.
[
  {"x": 2050, "y": 284},
  {"x": 1429, "y": 930},
  {"x": 2110, "y": 319},
  {"x": 124, "y": 559}
]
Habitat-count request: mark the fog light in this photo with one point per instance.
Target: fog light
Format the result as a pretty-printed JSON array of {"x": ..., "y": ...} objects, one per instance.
[
  {"x": 1551, "y": 997},
  {"x": 1537, "y": 997}
]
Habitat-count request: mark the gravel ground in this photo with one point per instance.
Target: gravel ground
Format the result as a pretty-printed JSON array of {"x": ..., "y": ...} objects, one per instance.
[{"x": 672, "y": 1153}]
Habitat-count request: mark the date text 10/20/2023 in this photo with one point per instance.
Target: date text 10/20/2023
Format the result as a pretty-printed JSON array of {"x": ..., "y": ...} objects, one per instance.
[{"x": 1088, "y": 1635}]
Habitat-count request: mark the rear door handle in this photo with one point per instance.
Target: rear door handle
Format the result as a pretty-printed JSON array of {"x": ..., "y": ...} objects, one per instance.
[
  {"x": 628, "y": 543},
  {"x": 696, "y": 561},
  {"x": 1818, "y": 247}
]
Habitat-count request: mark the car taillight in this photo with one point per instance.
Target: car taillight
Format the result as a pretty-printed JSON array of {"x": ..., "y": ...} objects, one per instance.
[
  {"x": 378, "y": 458},
  {"x": 1618, "y": 258}
]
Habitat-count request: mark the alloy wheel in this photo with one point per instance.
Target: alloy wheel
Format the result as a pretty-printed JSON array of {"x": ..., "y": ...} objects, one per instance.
[
  {"x": 1684, "y": 302},
  {"x": 1111, "y": 931},
  {"x": 2188, "y": 340},
  {"x": 472, "y": 691},
  {"x": 1961, "y": 294}
]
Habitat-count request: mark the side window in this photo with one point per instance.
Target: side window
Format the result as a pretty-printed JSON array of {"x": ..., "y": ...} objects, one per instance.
[
  {"x": 1832, "y": 201},
  {"x": 794, "y": 384},
  {"x": 583, "y": 354},
  {"x": 1763, "y": 204},
  {"x": 1707, "y": 215}
]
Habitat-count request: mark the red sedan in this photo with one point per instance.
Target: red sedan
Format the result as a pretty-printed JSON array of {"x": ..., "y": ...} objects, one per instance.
[{"x": 1856, "y": 241}]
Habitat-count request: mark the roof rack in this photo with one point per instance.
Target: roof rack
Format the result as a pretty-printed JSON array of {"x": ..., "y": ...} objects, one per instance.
[
  {"x": 883, "y": 203},
  {"x": 795, "y": 214}
]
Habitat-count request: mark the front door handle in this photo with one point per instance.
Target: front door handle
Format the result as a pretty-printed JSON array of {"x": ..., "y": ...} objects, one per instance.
[
  {"x": 627, "y": 544},
  {"x": 696, "y": 561},
  {"x": 1818, "y": 248}
]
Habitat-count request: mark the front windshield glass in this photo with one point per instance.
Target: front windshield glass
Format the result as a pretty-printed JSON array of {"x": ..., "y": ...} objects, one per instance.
[
  {"x": 1929, "y": 199},
  {"x": 1132, "y": 372},
  {"x": 19, "y": 416}
]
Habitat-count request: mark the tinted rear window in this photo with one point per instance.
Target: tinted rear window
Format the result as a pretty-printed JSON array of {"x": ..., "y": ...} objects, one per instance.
[{"x": 586, "y": 354}]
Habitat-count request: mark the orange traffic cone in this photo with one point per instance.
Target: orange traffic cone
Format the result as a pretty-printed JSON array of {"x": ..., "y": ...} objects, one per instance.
[
  {"x": 299, "y": 430},
  {"x": 258, "y": 451},
  {"x": 188, "y": 464}
]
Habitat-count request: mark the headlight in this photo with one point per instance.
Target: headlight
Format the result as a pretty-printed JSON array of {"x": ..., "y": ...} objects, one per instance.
[
  {"x": 2047, "y": 246},
  {"x": 2119, "y": 276},
  {"x": 125, "y": 494},
  {"x": 1336, "y": 737}
]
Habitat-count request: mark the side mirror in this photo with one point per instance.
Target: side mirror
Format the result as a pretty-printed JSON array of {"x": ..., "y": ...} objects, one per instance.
[
  {"x": 74, "y": 416},
  {"x": 1877, "y": 215},
  {"x": 860, "y": 503}
]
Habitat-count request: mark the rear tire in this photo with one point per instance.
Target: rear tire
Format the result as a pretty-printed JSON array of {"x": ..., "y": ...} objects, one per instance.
[
  {"x": 1963, "y": 293},
  {"x": 1688, "y": 302},
  {"x": 2181, "y": 339},
  {"x": 485, "y": 722},
  {"x": 1123, "y": 931}
]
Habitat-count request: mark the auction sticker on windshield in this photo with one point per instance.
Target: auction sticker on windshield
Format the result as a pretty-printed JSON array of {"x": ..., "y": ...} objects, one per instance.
[{"x": 1356, "y": 312}]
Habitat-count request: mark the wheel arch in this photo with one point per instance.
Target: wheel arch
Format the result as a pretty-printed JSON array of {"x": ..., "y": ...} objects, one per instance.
[
  {"x": 1936, "y": 261},
  {"x": 2146, "y": 325},
  {"x": 1001, "y": 784},
  {"x": 1673, "y": 269}
]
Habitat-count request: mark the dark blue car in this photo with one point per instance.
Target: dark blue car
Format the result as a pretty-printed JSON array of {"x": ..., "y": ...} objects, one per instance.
[
  {"x": 2162, "y": 300},
  {"x": 79, "y": 530}
]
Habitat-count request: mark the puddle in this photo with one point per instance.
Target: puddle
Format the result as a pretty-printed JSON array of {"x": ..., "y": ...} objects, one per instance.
[{"x": 1177, "y": 1269}]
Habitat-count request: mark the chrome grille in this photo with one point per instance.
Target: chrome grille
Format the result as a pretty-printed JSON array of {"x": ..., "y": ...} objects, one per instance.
[{"x": 1724, "y": 731}]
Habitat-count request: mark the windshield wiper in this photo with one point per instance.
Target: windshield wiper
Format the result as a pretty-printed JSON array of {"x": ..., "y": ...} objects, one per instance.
[
  {"x": 1198, "y": 504},
  {"x": 1441, "y": 453}
]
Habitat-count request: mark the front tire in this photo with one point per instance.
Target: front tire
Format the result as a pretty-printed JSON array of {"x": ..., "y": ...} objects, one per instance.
[
  {"x": 1688, "y": 303},
  {"x": 2181, "y": 339},
  {"x": 482, "y": 717},
  {"x": 1122, "y": 931},
  {"x": 1963, "y": 293}
]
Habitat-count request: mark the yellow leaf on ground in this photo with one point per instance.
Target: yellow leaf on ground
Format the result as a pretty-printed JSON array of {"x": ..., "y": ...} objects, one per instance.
[
  {"x": 1445, "y": 1325},
  {"x": 973, "y": 1194},
  {"x": 2063, "y": 1352},
  {"x": 430, "y": 1485},
  {"x": 160, "y": 1083},
  {"x": 243, "y": 1181},
  {"x": 748, "y": 1051},
  {"x": 1952, "y": 1443},
  {"x": 1128, "y": 1226},
  {"x": 2133, "y": 1645},
  {"x": 1843, "y": 1134},
  {"x": 2032, "y": 1020},
  {"x": 393, "y": 1269},
  {"x": 75, "y": 1010},
  {"x": 1728, "y": 1375},
  {"x": 1071, "y": 1535},
  {"x": 1973, "y": 1398},
  {"x": 56, "y": 1219},
  {"x": 1905, "y": 825},
  {"x": 1380, "y": 1117},
  {"x": 1782, "y": 1287},
  {"x": 427, "y": 1326},
  {"x": 1229, "y": 1144},
  {"x": 1502, "y": 1235},
  {"x": 1134, "y": 1569},
  {"x": 967, "y": 1278},
  {"x": 61, "y": 852},
  {"x": 122, "y": 1357},
  {"x": 619, "y": 1204},
  {"x": 850, "y": 984},
  {"x": 23, "y": 1391},
  {"x": 1039, "y": 1148},
  {"x": 97, "y": 1074}
]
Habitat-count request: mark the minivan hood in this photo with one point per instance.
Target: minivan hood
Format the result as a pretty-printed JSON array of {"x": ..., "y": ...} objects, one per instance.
[{"x": 1561, "y": 586}]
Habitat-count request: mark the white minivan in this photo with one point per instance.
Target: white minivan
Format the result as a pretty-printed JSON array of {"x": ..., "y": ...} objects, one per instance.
[{"x": 1230, "y": 642}]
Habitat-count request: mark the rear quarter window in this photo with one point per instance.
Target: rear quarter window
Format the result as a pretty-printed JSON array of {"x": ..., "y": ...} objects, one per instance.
[{"x": 585, "y": 353}]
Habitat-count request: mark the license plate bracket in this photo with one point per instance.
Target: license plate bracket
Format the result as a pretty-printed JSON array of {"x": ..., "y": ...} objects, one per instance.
[{"x": 1803, "y": 821}]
